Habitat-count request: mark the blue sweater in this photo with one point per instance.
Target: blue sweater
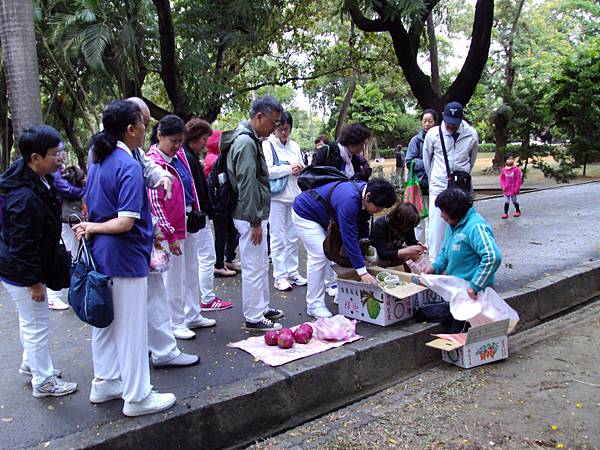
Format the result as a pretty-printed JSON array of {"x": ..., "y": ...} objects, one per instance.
[
  {"x": 346, "y": 203},
  {"x": 470, "y": 252}
]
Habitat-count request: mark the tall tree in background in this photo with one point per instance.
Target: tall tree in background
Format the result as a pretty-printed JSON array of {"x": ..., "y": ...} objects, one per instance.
[
  {"x": 20, "y": 62},
  {"x": 405, "y": 22}
]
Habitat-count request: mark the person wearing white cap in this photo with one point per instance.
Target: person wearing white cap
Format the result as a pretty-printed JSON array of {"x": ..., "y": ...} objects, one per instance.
[{"x": 461, "y": 142}]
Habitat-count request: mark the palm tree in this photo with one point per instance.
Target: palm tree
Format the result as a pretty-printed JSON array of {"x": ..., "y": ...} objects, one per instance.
[{"x": 19, "y": 55}]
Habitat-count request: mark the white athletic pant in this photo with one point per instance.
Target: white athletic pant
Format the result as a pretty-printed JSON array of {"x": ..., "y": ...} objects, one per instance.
[
  {"x": 205, "y": 243},
  {"x": 255, "y": 272},
  {"x": 437, "y": 228},
  {"x": 181, "y": 281},
  {"x": 121, "y": 349},
  {"x": 318, "y": 266},
  {"x": 71, "y": 243},
  {"x": 34, "y": 329},
  {"x": 284, "y": 240},
  {"x": 161, "y": 342},
  {"x": 330, "y": 276}
]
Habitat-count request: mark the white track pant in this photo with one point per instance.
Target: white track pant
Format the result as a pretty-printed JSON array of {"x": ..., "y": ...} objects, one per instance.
[
  {"x": 255, "y": 272},
  {"x": 161, "y": 342},
  {"x": 34, "y": 330},
  {"x": 182, "y": 285},
  {"x": 205, "y": 243},
  {"x": 437, "y": 229},
  {"x": 284, "y": 240},
  {"x": 318, "y": 266},
  {"x": 121, "y": 349}
]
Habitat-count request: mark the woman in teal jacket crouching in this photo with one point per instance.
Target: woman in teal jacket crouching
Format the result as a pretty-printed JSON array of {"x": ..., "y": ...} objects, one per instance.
[{"x": 469, "y": 250}]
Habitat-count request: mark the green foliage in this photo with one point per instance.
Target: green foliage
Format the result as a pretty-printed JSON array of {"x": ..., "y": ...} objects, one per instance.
[{"x": 574, "y": 96}]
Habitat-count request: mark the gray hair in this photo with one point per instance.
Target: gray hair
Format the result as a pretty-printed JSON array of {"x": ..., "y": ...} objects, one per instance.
[{"x": 266, "y": 105}]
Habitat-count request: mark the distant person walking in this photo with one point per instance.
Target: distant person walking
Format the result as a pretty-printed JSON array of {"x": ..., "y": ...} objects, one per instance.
[
  {"x": 510, "y": 182},
  {"x": 461, "y": 141}
]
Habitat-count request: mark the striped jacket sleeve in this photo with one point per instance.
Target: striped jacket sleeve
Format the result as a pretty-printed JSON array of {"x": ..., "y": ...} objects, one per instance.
[
  {"x": 157, "y": 203},
  {"x": 482, "y": 241}
]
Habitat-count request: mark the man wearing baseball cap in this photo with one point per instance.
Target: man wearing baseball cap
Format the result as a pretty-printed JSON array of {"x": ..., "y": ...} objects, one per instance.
[{"x": 461, "y": 141}]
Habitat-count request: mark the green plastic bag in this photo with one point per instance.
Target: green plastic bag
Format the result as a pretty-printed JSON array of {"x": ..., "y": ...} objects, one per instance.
[{"x": 412, "y": 193}]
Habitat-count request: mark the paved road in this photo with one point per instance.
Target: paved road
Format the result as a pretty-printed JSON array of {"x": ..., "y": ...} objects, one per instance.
[
  {"x": 559, "y": 228},
  {"x": 546, "y": 395}
]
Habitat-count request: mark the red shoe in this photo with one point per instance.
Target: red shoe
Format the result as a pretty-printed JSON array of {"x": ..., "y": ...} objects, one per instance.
[
  {"x": 216, "y": 305},
  {"x": 517, "y": 214},
  {"x": 504, "y": 216}
]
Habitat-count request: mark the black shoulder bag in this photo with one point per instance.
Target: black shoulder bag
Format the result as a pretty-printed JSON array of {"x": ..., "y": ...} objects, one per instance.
[{"x": 458, "y": 178}]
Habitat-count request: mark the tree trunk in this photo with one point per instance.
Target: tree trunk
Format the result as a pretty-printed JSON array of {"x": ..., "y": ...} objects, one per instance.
[
  {"x": 168, "y": 59},
  {"x": 69, "y": 127},
  {"x": 406, "y": 47},
  {"x": 339, "y": 126},
  {"x": 6, "y": 129},
  {"x": 433, "y": 56},
  {"x": 501, "y": 126},
  {"x": 19, "y": 53}
]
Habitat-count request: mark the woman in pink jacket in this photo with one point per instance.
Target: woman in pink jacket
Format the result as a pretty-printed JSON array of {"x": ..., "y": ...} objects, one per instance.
[
  {"x": 183, "y": 289},
  {"x": 510, "y": 182}
]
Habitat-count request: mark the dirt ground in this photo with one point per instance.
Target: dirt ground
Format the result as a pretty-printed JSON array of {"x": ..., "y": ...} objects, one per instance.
[{"x": 546, "y": 395}]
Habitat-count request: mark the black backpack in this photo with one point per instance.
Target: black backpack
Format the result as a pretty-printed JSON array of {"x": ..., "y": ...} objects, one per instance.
[
  {"x": 221, "y": 193},
  {"x": 315, "y": 176}
]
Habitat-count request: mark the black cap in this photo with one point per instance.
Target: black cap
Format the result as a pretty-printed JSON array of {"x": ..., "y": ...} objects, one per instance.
[{"x": 453, "y": 113}]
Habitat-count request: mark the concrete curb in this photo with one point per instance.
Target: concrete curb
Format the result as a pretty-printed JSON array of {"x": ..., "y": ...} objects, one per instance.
[
  {"x": 529, "y": 191},
  {"x": 280, "y": 398}
]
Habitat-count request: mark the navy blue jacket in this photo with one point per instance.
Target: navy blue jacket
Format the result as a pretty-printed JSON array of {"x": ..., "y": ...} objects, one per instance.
[{"x": 346, "y": 203}]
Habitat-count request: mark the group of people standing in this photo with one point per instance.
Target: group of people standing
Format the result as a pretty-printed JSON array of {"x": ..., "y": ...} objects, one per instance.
[{"x": 138, "y": 202}]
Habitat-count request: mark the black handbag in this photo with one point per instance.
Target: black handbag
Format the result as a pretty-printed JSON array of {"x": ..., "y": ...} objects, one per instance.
[
  {"x": 458, "y": 178},
  {"x": 90, "y": 295},
  {"x": 196, "y": 220}
]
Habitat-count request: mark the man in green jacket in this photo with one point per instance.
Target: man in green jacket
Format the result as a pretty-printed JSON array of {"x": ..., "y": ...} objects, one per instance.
[{"x": 248, "y": 174}]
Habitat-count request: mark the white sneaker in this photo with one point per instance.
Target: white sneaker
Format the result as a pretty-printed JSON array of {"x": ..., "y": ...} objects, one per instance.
[
  {"x": 105, "y": 390},
  {"x": 319, "y": 313},
  {"x": 200, "y": 322},
  {"x": 57, "y": 304},
  {"x": 183, "y": 332},
  {"x": 298, "y": 280},
  {"x": 54, "y": 388},
  {"x": 282, "y": 284},
  {"x": 153, "y": 403},
  {"x": 332, "y": 290},
  {"x": 26, "y": 370},
  {"x": 181, "y": 360}
]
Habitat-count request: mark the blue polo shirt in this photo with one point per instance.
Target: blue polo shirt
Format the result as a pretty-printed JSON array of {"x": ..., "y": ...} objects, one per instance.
[{"x": 115, "y": 188}]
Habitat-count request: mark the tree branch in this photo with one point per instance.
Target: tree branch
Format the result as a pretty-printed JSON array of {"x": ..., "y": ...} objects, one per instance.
[
  {"x": 290, "y": 79},
  {"x": 156, "y": 111},
  {"x": 365, "y": 24}
]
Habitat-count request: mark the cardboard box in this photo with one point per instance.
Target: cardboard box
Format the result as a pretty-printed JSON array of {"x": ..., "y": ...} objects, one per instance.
[
  {"x": 362, "y": 301},
  {"x": 478, "y": 346}
]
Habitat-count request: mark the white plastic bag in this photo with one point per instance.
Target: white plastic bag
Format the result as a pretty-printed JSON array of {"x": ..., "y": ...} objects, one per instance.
[
  {"x": 336, "y": 328},
  {"x": 489, "y": 306},
  {"x": 419, "y": 265}
]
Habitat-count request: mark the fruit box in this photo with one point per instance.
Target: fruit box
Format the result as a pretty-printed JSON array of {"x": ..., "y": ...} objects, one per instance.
[
  {"x": 381, "y": 306},
  {"x": 478, "y": 346}
]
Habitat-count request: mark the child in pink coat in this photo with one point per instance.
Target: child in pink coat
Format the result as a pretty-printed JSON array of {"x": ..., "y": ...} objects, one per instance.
[{"x": 510, "y": 182}]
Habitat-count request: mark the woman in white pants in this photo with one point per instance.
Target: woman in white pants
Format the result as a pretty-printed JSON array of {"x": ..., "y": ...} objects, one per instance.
[
  {"x": 174, "y": 216},
  {"x": 284, "y": 159},
  {"x": 120, "y": 235},
  {"x": 28, "y": 242}
]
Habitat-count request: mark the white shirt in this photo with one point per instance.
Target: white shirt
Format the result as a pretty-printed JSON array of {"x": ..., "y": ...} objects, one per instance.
[
  {"x": 290, "y": 152},
  {"x": 461, "y": 154},
  {"x": 347, "y": 158}
]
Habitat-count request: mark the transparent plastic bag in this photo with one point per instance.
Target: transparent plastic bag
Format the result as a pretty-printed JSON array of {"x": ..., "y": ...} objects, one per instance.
[
  {"x": 336, "y": 328},
  {"x": 160, "y": 259},
  {"x": 420, "y": 265},
  {"x": 489, "y": 306}
]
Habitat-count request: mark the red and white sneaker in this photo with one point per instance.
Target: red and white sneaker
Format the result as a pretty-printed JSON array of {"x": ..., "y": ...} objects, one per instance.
[
  {"x": 504, "y": 216},
  {"x": 216, "y": 305},
  {"x": 517, "y": 214}
]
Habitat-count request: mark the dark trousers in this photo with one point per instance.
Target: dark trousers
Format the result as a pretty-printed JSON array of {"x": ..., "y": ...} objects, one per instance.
[{"x": 226, "y": 239}]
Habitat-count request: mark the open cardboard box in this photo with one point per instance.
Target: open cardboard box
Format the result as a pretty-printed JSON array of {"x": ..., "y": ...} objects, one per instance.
[
  {"x": 479, "y": 345},
  {"x": 380, "y": 306}
]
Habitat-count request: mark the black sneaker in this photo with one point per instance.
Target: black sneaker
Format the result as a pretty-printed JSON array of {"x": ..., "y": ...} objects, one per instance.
[
  {"x": 262, "y": 325},
  {"x": 273, "y": 314}
]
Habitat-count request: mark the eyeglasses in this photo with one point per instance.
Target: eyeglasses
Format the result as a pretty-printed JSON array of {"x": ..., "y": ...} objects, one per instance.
[{"x": 277, "y": 123}]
